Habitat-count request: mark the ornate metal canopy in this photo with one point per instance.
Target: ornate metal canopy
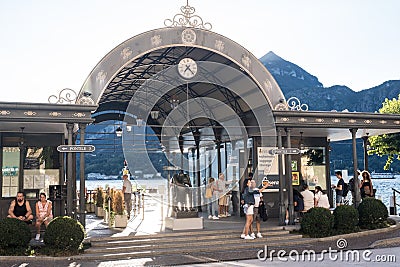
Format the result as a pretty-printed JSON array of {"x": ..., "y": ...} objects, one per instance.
[{"x": 126, "y": 68}]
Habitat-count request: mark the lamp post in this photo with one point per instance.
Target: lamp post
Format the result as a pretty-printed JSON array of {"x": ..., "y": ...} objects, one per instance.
[{"x": 118, "y": 131}]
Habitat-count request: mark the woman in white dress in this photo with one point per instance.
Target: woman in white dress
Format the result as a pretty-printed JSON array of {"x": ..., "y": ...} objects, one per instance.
[
  {"x": 44, "y": 213},
  {"x": 320, "y": 198}
]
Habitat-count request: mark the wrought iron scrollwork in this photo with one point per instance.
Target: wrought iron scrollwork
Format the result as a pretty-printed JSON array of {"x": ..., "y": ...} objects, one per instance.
[
  {"x": 187, "y": 19},
  {"x": 66, "y": 96},
  {"x": 293, "y": 103}
]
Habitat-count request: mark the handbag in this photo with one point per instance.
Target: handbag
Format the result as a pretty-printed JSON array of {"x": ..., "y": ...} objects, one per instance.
[
  {"x": 208, "y": 192},
  {"x": 262, "y": 210}
]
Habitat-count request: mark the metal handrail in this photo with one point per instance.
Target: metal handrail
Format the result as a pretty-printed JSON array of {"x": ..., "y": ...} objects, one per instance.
[{"x": 394, "y": 200}]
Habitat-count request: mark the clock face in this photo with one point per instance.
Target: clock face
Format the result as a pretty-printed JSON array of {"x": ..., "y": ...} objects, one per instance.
[{"x": 187, "y": 68}]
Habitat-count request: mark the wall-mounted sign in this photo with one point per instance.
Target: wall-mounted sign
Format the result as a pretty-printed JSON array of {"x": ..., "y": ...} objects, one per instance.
[{"x": 75, "y": 148}]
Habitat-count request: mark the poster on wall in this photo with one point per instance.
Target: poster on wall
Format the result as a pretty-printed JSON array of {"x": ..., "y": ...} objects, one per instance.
[
  {"x": 268, "y": 167},
  {"x": 295, "y": 178},
  {"x": 314, "y": 175},
  {"x": 294, "y": 165},
  {"x": 28, "y": 182},
  {"x": 265, "y": 160}
]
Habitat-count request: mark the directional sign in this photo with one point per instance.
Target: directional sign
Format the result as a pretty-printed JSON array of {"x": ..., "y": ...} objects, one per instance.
[
  {"x": 284, "y": 151},
  {"x": 75, "y": 148}
]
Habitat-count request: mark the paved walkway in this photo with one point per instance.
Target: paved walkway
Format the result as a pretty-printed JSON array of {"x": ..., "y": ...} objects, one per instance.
[{"x": 152, "y": 222}]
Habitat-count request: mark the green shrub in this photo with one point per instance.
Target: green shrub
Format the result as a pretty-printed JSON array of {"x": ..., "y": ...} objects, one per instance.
[
  {"x": 372, "y": 213},
  {"x": 317, "y": 222},
  {"x": 14, "y": 236},
  {"x": 345, "y": 219},
  {"x": 118, "y": 202},
  {"x": 65, "y": 234}
]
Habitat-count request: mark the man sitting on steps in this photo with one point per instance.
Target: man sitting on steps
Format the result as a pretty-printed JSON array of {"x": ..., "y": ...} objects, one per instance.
[{"x": 20, "y": 209}]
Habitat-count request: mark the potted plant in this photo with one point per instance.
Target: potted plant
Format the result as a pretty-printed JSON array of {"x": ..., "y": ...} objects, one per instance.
[
  {"x": 120, "y": 216},
  {"x": 99, "y": 202},
  {"x": 108, "y": 205},
  {"x": 90, "y": 205}
]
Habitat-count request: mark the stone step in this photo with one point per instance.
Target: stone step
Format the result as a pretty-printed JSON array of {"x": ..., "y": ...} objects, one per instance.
[
  {"x": 139, "y": 245},
  {"x": 267, "y": 231},
  {"x": 190, "y": 248},
  {"x": 150, "y": 240}
]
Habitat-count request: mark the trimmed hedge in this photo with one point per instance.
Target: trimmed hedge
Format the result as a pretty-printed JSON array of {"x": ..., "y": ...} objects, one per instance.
[
  {"x": 14, "y": 237},
  {"x": 317, "y": 222},
  {"x": 345, "y": 219},
  {"x": 373, "y": 214},
  {"x": 65, "y": 234}
]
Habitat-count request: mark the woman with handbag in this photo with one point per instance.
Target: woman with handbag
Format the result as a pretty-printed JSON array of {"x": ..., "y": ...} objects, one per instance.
[
  {"x": 249, "y": 201},
  {"x": 366, "y": 185}
]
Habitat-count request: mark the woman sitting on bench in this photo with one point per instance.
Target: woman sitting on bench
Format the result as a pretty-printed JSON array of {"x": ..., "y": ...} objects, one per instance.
[{"x": 43, "y": 213}]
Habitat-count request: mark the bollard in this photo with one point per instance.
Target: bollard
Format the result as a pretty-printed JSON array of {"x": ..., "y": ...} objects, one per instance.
[
  {"x": 109, "y": 211},
  {"x": 143, "y": 206},
  {"x": 162, "y": 207},
  {"x": 392, "y": 205},
  {"x": 134, "y": 204},
  {"x": 139, "y": 204}
]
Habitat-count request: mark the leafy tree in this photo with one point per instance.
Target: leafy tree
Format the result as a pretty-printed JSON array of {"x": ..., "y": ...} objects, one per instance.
[{"x": 387, "y": 144}]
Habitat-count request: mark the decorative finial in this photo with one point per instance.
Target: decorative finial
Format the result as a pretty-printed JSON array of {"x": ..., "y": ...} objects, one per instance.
[{"x": 187, "y": 19}]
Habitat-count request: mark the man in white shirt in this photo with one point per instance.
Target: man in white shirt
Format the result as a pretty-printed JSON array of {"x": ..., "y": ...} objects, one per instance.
[
  {"x": 127, "y": 191},
  {"x": 308, "y": 198},
  {"x": 222, "y": 195}
]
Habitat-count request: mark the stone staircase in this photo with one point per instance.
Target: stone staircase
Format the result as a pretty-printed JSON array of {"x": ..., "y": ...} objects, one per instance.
[{"x": 190, "y": 247}]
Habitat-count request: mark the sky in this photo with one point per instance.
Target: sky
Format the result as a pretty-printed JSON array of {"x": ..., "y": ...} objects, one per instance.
[{"x": 49, "y": 45}]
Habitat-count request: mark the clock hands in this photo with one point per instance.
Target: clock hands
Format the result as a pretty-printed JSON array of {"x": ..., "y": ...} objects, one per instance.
[{"x": 188, "y": 68}]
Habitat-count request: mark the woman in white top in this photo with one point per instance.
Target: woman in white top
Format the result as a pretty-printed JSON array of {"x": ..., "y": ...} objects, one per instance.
[
  {"x": 44, "y": 213},
  {"x": 320, "y": 198},
  {"x": 213, "y": 201}
]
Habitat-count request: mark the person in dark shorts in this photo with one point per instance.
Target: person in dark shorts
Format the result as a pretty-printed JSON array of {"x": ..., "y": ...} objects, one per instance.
[{"x": 339, "y": 188}]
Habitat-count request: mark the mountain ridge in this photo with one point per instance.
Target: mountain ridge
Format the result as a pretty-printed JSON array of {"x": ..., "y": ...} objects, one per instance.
[{"x": 295, "y": 81}]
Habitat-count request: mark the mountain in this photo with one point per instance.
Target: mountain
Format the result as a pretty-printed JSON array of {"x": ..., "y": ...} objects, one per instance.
[
  {"x": 289, "y": 76},
  {"x": 295, "y": 81}
]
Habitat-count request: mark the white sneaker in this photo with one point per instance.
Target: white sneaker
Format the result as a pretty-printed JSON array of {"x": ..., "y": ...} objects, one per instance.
[
  {"x": 247, "y": 237},
  {"x": 242, "y": 236},
  {"x": 253, "y": 235},
  {"x": 210, "y": 217},
  {"x": 228, "y": 215},
  {"x": 259, "y": 235},
  {"x": 215, "y": 217},
  {"x": 37, "y": 237}
]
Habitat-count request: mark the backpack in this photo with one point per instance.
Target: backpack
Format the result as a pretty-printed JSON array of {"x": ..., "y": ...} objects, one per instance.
[
  {"x": 345, "y": 189},
  {"x": 351, "y": 185}
]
